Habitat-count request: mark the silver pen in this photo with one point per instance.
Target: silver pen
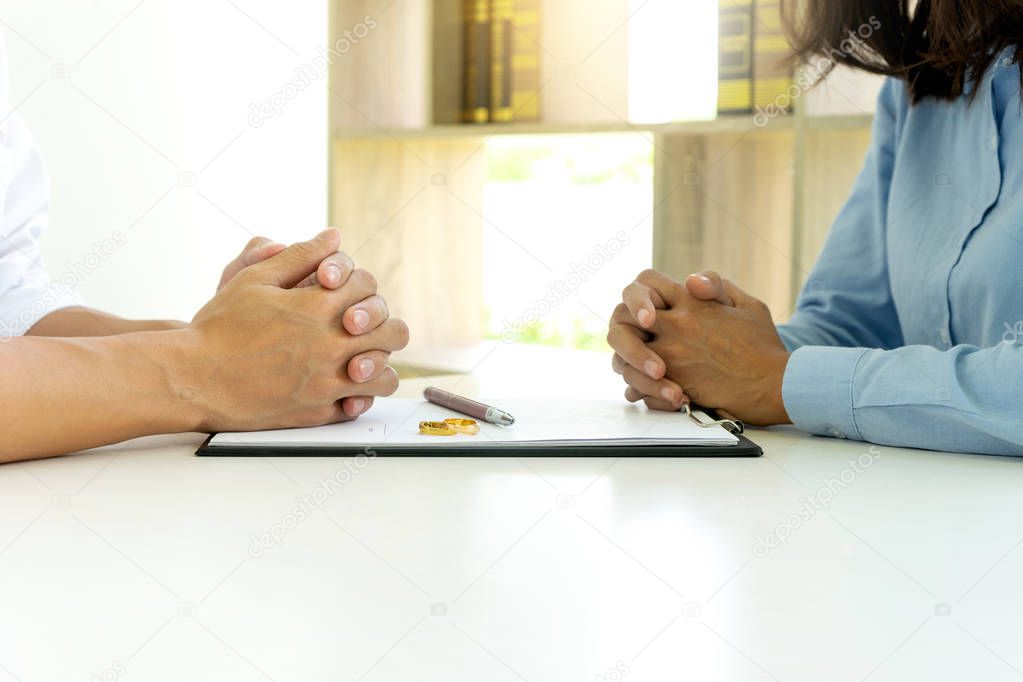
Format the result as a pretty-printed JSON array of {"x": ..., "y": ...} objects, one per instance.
[{"x": 478, "y": 410}]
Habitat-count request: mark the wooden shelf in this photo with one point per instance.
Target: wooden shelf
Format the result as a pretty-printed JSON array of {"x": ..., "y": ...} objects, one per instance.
[
  {"x": 408, "y": 181},
  {"x": 722, "y": 125},
  {"x": 840, "y": 122},
  {"x": 730, "y": 124}
]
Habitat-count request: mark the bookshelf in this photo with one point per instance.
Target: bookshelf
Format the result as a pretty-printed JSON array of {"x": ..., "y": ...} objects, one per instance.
[
  {"x": 722, "y": 124},
  {"x": 407, "y": 180}
]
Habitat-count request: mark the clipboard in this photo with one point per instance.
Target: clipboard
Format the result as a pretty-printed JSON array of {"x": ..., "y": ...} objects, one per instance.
[{"x": 543, "y": 429}]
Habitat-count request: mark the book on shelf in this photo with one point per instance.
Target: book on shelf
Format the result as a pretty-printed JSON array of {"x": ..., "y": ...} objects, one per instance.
[
  {"x": 772, "y": 75},
  {"x": 502, "y": 43},
  {"x": 525, "y": 54},
  {"x": 735, "y": 57},
  {"x": 501, "y": 61},
  {"x": 476, "y": 64}
]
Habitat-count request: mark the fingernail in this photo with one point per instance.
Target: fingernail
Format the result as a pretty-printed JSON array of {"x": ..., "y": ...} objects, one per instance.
[
  {"x": 644, "y": 317},
  {"x": 333, "y": 274},
  {"x": 366, "y": 367},
  {"x": 360, "y": 318},
  {"x": 359, "y": 406},
  {"x": 327, "y": 233},
  {"x": 704, "y": 279},
  {"x": 669, "y": 395},
  {"x": 651, "y": 368}
]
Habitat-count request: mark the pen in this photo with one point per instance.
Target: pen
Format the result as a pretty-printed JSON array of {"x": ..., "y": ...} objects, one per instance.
[{"x": 472, "y": 408}]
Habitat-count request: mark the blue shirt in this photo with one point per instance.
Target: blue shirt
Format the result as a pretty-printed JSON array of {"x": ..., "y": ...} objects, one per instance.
[{"x": 909, "y": 331}]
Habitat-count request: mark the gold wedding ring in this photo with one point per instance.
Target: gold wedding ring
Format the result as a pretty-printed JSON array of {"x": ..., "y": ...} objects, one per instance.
[
  {"x": 467, "y": 426},
  {"x": 450, "y": 427},
  {"x": 436, "y": 429}
]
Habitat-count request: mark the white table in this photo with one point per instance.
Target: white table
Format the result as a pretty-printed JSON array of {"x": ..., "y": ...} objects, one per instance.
[{"x": 136, "y": 561}]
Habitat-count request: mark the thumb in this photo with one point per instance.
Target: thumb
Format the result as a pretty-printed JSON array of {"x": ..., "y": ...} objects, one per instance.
[
  {"x": 298, "y": 261},
  {"x": 709, "y": 286}
]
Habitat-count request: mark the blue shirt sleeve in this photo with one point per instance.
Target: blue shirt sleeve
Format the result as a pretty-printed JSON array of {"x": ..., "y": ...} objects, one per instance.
[
  {"x": 850, "y": 376},
  {"x": 847, "y": 299}
]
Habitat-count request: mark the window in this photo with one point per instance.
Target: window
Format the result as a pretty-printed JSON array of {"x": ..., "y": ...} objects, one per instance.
[{"x": 568, "y": 222}]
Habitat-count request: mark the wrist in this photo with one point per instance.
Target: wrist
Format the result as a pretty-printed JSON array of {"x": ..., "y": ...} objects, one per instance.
[
  {"x": 182, "y": 358},
  {"x": 774, "y": 399}
]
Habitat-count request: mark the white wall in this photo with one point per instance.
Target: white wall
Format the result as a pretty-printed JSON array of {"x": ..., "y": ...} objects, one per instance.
[
  {"x": 132, "y": 102},
  {"x": 845, "y": 91}
]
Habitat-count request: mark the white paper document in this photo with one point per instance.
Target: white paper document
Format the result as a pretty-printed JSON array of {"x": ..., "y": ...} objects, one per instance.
[{"x": 538, "y": 423}]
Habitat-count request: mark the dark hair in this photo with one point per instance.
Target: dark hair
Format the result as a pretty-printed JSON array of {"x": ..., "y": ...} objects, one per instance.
[{"x": 938, "y": 48}]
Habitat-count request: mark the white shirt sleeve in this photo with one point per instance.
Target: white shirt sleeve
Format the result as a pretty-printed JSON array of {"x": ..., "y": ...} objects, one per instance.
[{"x": 27, "y": 294}]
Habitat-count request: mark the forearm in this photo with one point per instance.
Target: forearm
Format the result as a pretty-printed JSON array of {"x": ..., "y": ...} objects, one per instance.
[
  {"x": 800, "y": 331},
  {"x": 82, "y": 322},
  {"x": 840, "y": 323},
  {"x": 69, "y": 394}
]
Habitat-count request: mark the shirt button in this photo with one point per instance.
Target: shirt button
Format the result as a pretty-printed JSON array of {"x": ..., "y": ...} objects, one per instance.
[
  {"x": 1006, "y": 62},
  {"x": 945, "y": 338},
  {"x": 993, "y": 143}
]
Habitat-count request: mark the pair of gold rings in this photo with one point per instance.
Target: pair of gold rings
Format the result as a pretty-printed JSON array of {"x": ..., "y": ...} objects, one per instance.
[{"x": 449, "y": 427}]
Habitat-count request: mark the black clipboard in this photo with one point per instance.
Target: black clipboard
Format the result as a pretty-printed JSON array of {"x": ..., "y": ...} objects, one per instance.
[{"x": 744, "y": 448}]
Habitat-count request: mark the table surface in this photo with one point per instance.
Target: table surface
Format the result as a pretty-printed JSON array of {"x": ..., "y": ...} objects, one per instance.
[{"x": 822, "y": 560}]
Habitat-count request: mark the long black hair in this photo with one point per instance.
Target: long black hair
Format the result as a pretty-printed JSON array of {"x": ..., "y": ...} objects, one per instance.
[{"x": 938, "y": 48}]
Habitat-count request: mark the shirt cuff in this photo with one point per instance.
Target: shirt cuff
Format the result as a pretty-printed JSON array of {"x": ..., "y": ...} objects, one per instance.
[
  {"x": 24, "y": 305},
  {"x": 818, "y": 390}
]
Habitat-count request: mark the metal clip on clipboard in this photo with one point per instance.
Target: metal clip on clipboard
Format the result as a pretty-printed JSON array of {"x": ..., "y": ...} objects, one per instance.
[{"x": 731, "y": 425}]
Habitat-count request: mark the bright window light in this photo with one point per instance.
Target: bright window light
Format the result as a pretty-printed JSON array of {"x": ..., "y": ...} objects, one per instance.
[
  {"x": 569, "y": 222},
  {"x": 673, "y": 47}
]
